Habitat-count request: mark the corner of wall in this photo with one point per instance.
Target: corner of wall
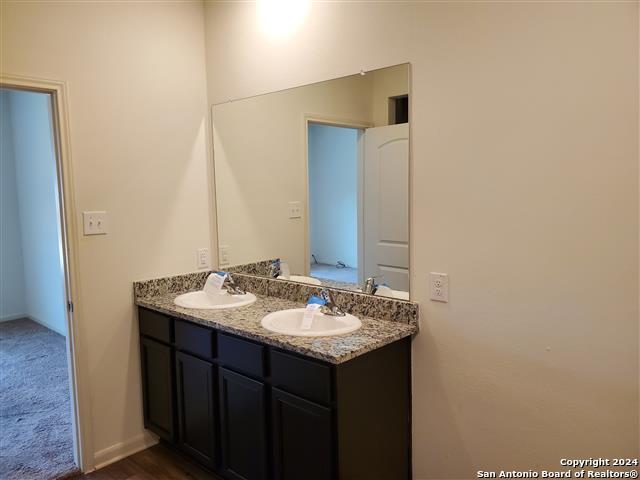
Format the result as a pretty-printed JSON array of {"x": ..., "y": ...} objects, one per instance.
[{"x": 123, "y": 449}]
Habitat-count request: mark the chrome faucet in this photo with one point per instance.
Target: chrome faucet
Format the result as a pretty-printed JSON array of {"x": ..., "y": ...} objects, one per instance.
[
  {"x": 370, "y": 286},
  {"x": 274, "y": 269},
  {"x": 232, "y": 287},
  {"x": 330, "y": 308}
]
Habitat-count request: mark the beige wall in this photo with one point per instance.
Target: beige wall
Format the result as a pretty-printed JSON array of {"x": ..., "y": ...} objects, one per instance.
[
  {"x": 137, "y": 110},
  {"x": 386, "y": 83},
  {"x": 525, "y": 190},
  {"x": 260, "y": 151}
]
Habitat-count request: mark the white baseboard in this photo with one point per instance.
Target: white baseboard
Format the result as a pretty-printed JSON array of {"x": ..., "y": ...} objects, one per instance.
[
  {"x": 15, "y": 316},
  {"x": 116, "y": 452},
  {"x": 46, "y": 325}
]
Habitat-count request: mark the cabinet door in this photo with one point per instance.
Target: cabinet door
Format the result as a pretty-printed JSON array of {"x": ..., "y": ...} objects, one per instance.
[
  {"x": 157, "y": 388},
  {"x": 243, "y": 422},
  {"x": 302, "y": 438},
  {"x": 196, "y": 407}
]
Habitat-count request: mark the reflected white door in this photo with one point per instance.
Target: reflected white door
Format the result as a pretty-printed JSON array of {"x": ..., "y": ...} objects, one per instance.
[{"x": 386, "y": 204}]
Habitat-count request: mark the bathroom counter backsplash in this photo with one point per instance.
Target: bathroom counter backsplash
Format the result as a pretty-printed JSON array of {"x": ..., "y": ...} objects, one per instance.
[{"x": 384, "y": 320}]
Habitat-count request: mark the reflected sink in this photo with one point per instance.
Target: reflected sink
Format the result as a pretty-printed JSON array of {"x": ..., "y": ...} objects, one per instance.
[
  {"x": 302, "y": 279},
  {"x": 289, "y": 322},
  {"x": 209, "y": 301},
  {"x": 399, "y": 294},
  {"x": 390, "y": 293}
]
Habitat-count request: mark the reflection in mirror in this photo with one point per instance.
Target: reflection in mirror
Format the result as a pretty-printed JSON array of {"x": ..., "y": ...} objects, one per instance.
[{"x": 312, "y": 183}]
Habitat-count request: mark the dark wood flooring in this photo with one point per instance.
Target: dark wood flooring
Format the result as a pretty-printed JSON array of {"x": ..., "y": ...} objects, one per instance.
[{"x": 156, "y": 463}]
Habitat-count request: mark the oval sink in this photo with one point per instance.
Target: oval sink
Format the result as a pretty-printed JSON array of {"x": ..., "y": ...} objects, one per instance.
[
  {"x": 289, "y": 322},
  {"x": 204, "y": 300},
  {"x": 302, "y": 279}
]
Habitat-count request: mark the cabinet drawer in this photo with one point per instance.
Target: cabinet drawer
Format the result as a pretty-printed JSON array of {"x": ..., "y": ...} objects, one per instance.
[
  {"x": 195, "y": 339},
  {"x": 301, "y": 377},
  {"x": 155, "y": 325},
  {"x": 241, "y": 355}
]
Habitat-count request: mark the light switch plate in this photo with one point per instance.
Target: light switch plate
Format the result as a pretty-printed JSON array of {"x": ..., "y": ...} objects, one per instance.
[
  {"x": 94, "y": 223},
  {"x": 223, "y": 255},
  {"x": 295, "y": 209},
  {"x": 439, "y": 286},
  {"x": 203, "y": 259}
]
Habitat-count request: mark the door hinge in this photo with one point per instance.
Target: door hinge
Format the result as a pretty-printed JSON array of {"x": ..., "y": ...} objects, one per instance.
[{"x": 70, "y": 306}]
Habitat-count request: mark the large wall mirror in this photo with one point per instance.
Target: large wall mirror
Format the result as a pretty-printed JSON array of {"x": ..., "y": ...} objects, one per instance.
[{"x": 312, "y": 183}]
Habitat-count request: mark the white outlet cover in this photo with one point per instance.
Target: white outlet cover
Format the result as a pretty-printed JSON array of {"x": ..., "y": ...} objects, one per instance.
[
  {"x": 295, "y": 209},
  {"x": 203, "y": 259},
  {"x": 94, "y": 223},
  {"x": 223, "y": 255},
  {"x": 439, "y": 286}
]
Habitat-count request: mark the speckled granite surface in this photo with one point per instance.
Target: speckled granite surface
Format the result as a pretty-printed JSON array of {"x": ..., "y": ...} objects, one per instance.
[
  {"x": 256, "y": 268},
  {"x": 384, "y": 320},
  {"x": 262, "y": 269},
  {"x": 245, "y": 322},
  {"x": 174, "y": 284},
  {"x": 359, "y": 304}
]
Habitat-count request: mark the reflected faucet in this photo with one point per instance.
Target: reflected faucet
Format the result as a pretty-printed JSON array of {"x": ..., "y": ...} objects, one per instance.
[
  {"x": 274, "y": 269},
  {"x": 330, "y": 308},
  {"x": 370, "y": 286}
]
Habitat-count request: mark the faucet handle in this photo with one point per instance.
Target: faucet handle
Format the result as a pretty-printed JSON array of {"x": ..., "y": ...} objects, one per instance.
[
  {"x": 330, "y": 308},
  {"x": 232, "y": 287}
]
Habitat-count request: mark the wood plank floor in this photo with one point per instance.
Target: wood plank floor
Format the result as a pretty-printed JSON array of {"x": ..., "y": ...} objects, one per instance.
[{"x": 155, "y": 463}]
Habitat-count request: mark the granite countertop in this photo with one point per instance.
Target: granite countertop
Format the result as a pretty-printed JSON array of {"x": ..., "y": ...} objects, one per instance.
[{"x": 245, "y": 322}]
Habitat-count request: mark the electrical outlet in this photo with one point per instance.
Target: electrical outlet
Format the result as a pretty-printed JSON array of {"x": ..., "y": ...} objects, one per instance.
[
  {"x": 223, "y": 255},
  {"x": 94, "y": 223},
  {"x": 439, "y": 286},
  {"x": 295, "y": 209},
  {"x": 203, "y": 260}
]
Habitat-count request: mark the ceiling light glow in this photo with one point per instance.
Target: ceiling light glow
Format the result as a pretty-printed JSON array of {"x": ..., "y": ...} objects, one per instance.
[{"x": 279, "y": 18}]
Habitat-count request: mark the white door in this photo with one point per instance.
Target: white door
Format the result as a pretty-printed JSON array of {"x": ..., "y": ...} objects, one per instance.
[{"x": 386, "y": 204}]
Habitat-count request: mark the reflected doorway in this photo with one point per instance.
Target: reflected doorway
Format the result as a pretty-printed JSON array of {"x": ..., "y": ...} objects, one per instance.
[{"x": 334, "y": 191}]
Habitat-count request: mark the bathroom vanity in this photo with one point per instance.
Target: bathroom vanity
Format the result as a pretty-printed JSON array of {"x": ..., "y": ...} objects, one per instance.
[
  {"x": 234, "y": 382},
  {"x": 252, "y": 404}
]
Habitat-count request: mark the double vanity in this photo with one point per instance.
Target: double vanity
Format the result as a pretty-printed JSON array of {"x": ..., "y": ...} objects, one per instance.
[
  {"x": 229, "y": 389},
  {"x": 312, "y": 205}
]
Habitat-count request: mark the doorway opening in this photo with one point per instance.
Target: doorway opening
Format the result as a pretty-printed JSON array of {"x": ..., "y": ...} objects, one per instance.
[
  {"x": 333, "y": 176},
  {"x": 37, "y": 414}
]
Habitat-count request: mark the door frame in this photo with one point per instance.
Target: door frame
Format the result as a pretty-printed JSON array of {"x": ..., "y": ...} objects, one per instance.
[
  {"x": 76, "y": 352},
  {"x": 333, "y": 122}
]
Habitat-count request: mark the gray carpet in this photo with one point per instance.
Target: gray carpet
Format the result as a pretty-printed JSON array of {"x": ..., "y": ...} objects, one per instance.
[
  {"x": 35, "y": 415},
  {"x": 330, "y": 272}
]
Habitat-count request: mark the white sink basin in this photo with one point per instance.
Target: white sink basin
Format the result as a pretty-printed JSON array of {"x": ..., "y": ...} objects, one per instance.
[
  {"x": 289, "y": 322},
  {"x": 302, "y": 279},
  {"x": 204, "y": 300}
]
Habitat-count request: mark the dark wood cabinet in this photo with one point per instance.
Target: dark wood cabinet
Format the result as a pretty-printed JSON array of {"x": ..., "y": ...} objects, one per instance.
[
  {"x": 197, "y": 402},
  {"x": 302, "y": 440},
  {"x": 249, "y": 411},
  {"x": 157, "y": 388},
  {"x": 243, "y": 426}
]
